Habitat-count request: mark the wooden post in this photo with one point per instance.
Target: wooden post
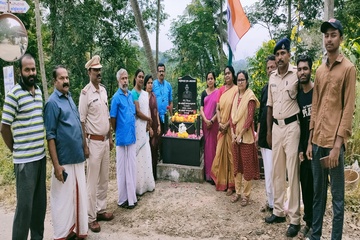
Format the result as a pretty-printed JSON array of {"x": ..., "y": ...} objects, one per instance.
[{"x": 40, "y": 50}]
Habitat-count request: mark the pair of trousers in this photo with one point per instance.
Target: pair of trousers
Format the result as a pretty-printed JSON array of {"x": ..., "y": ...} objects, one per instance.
[
  {"x": 247, "y": 185},
  {"x": 31, "y": 200},
  {"x": 268, "y": 171},
  {"x": 285, "y": 143},
  {"x": 321, "y": 181},
  {"x": 307, "y": 190},
  {"x": 97, "y": 177}
]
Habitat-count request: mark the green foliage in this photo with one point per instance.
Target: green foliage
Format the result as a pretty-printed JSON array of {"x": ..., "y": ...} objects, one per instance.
[
  {"x": 197, "y": 39},
  {"x": 257, "y": 67}
]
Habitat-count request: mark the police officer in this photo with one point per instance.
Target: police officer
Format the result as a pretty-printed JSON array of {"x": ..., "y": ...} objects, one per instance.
[
  {"x": 94, "y": 117},
  {"x": 283, "y": 134}
]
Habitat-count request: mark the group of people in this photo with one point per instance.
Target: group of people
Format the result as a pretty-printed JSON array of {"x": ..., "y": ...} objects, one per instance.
[
  {"x": 76, "y": 135},
  {"x": 301, "y": 123}
]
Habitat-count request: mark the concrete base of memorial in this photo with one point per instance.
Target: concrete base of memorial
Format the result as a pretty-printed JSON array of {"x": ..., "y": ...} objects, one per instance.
[{"x": 181, "y": 173}]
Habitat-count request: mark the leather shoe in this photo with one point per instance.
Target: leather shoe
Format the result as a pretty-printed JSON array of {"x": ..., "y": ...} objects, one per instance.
[
  {"x": 293, "y": 230},
  {"x": 274, "y": 219},
  {"x": 104, "y": 216},
  {"x": 94, "y": 226}
]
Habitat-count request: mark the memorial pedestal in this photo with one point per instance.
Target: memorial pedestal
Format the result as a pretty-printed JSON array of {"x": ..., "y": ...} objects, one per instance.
[
  {"x": 182, "y": 151},
  {"x": 182, "y": 160}
]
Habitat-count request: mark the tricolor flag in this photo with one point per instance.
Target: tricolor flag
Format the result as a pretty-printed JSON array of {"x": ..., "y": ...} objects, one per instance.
[{"x": 238, "y": 23}]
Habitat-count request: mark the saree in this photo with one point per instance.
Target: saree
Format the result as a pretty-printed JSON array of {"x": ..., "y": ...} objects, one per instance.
[
  {"x": 144, "y": 174},
  {"x": 245, "y": 155},
  {"x": 222, "y": 170},
  {"x": 154, "y": 140},
  {"x": 210, "y": 134}
]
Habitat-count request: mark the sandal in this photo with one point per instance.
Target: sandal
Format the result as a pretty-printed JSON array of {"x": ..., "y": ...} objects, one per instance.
[
  {"x": 303, "y": 232},
  {"x": 235, "y": 198},
  {"x": 229, "y": 192},
  {"x": 244, "y": 201}
]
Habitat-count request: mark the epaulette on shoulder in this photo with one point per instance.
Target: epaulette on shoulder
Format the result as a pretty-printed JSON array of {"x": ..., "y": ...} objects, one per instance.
[{"x": 85, "y": 89}]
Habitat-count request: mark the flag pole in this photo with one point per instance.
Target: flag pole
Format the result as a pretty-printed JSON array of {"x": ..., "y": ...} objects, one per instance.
[{"x": 230, "y": 56}]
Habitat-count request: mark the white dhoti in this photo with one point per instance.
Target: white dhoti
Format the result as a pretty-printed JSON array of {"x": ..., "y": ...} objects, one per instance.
[
  {"x": 126, "y": 173},
  {"x": 69, "y": 203}
]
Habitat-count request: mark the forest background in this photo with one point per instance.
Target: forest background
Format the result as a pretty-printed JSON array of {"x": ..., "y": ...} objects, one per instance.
[{"x": 73, "y": 31}]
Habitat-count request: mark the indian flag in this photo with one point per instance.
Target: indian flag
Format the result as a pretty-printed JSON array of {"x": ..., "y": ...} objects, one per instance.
[{"x": 238, "y": 23}]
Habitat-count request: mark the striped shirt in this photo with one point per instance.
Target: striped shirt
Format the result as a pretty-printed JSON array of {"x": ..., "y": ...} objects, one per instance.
[{"x": 24, "y": 113}]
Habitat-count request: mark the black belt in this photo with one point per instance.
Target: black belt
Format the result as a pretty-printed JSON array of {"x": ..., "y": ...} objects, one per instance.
[{"x": 286, "y": 120}]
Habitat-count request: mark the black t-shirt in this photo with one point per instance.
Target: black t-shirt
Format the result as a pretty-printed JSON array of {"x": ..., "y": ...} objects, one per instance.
[
  {"x": 304, "y": 101},
  {"x": 262, "y": 118}
]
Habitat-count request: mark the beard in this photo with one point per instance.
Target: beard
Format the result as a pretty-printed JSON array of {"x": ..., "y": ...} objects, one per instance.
[
  {"x": 305, "y": 81},
  {"x": 124, "y": 87},
  {"x": 29, "y": 80}
]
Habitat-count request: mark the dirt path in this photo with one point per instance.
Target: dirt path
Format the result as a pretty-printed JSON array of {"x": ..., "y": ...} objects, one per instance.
[{"x": 187, "y": 211}]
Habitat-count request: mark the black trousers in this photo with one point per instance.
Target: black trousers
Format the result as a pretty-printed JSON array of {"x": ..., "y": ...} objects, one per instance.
[{"x": 307, "y": 190}]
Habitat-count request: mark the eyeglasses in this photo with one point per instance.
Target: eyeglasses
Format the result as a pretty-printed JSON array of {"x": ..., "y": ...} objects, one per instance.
[
  {"x": 161, "y": 71},
  {"x": 241, "y": 80}
]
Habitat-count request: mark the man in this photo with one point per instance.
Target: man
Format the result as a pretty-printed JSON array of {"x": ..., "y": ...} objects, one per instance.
[
  {"x": 333, "y": 105},
  {"x": 304, "y": 65},
  {"x": 22, "y": 128},
  {"x": 283, "y": 134},
  {"x": 122, "y": 119},
  {"x": 163, "y": 92},
  {"x": 266, "y": 152},
  {"x": 94, "y": 117},
  {"x": 66, "y": 148},
  {"x": 187, "y": 94}
]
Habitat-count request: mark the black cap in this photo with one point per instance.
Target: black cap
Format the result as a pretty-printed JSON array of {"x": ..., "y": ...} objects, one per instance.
[
  {"x": 282, "y": 44},
  {"x": 332, "y": 23}
]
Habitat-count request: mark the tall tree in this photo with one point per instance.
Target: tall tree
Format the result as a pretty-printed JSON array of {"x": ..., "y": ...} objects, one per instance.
[{"x": 143, "y": 35}]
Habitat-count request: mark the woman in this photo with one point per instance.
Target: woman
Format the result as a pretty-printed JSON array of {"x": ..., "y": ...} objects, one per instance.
[
  {"x": 210, "y": 124},
  {"x": 246, "y": 164},
  {"x": 222, "y": 171},
  {"x": 154, "y": 129},
  {"x": 144, "y": 175}
]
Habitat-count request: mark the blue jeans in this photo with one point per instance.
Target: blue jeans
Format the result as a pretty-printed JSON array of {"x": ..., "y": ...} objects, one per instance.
[{"x": 321, "y": 181}]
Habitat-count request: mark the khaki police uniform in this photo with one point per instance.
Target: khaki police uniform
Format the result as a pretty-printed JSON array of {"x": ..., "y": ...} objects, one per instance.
[
  {"x": 94, "y": 113},
  {"x": 282, "y": 95}
]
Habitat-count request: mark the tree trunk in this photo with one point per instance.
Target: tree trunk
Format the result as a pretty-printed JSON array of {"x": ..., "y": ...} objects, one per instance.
[
  {"x": 328, "y": 9},
  {"x": 289, "y": 17},
  {"x": 143, "y": 35},
  {"x": 157, "y": 30},
  {"x": 40, "y": 50}
]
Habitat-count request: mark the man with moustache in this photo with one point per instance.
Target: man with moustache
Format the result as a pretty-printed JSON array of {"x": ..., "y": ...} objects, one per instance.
[
  {"x": 333, "y": 105},
  {"x": 163, "y": 93},
  {"x": 66, "y": 148},
  {"x": 283, "y": 135},
  {"x": 95, "y": 121},
  {"x": 266, "y": 152},
  {"x": 304, "y": 98},
  {"x": 22, "y": 128},
  {"x": 122, "y": 118}
]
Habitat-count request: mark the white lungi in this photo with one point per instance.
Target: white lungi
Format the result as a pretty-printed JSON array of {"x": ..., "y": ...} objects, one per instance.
[
  {"x": 268, "y": 171},
  {"x": 69, "y": 202},
  {"x": 126, "y": 173}
]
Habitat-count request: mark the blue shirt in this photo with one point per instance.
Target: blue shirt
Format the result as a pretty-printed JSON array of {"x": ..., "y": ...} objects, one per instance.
[
  {"x": 62, "y": 123},
  {"x": 163, "y": 93},
  {"x": 123, "y": 110}
]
